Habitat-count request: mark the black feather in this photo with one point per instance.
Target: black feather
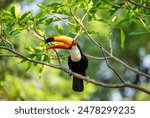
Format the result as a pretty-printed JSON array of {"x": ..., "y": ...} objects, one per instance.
[{"x": 77, "y": 84}]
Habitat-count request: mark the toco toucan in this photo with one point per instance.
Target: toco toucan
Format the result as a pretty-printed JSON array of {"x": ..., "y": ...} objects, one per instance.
[{"x": 77, "y": 61}]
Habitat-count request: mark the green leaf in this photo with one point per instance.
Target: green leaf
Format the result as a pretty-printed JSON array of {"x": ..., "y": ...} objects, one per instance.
[
  {"x": 31, "y": 55},
  {"x": 25, "y": 15},
  {"x": 39, "y": 21},
  {"x": 69, "y": 1},
  {"x": 6, "y": 15},
  {"x": 137, "y": 22},
  {"x": 41, "y": 69},
  {"x": 114, "y": 19},
  {"x": 48, "y": 21},
  {"x": 6, "y": 12},
  {"x": 90, "y": 31},
  {"x": 13, "y": 13},
  {"x": 78, "y": 29},
  {"x": 42, "y": 7},
  {"x": 8, "y": 28},
  {"x": 138, "y": 33},
  {"x": 121, "y": 21},
  {"x": 59, "y": 29},
  {"x": 29, "y": 66},
  {"x": 122, "y": 38},
  {"x": 22, "y": 61},
  {"x": 55, "y": 4},
  {"x": 101, "y": 20},
  {"x": 15, "y": 31},
  {"x": 46, "y": 59}
]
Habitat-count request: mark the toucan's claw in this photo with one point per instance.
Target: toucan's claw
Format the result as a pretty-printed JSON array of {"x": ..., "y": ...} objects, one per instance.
[
  {"x": 70, "y": 72},
  {"x": 87, "y": 78}
]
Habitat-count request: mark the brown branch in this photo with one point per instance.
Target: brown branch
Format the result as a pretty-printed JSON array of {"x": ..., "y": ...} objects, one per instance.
[
  {"x": 129, "y": 67},
  {"x": 35, "y": 33},
  {"x": 56, "y": 16},
  {"x": 8, "y": 55},
  {"x": 18, "y": 55},
  {"x": 137, "y": 4},
  {"x": 113, "y": 5},
  {"x": 110, "y": 85},
  {"x": 7, "y": 42},
  {"x": 29, "y": 59},
  {"x": 58, "y": 58},
  {"x": 97, "y": 58}
]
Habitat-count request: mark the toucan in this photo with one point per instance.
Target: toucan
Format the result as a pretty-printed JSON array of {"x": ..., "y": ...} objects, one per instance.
[{"x": 77, "y": 61}]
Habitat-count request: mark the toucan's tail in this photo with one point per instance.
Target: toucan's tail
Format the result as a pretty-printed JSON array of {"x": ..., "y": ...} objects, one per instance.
[{"x": 77, "y": 84}]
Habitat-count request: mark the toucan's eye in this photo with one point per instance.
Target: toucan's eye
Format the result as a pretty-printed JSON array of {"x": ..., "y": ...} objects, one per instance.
[{"x": 74, "y": 43}]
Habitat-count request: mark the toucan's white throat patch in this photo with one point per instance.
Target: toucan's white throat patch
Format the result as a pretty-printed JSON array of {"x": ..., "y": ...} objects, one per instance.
[{"x": 75, "y": 54}]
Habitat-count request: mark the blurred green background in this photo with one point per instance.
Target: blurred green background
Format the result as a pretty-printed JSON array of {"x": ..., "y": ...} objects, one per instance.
[{"x": 27, "y": 81}]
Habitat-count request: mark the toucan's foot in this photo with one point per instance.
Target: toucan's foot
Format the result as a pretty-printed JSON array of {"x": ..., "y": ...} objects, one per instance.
[
  {"x": 70, "y": 72},
  {"x": 87, "y": 79}
]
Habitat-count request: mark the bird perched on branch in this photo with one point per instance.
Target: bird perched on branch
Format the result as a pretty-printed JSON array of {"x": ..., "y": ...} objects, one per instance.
[{"x": 77, "y": 61}]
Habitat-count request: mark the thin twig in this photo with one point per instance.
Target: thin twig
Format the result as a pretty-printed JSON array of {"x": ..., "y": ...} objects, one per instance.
[
  {"x": 5, "y": 42},
  {"x": 81, "y": 22},
  {"x": 114, "y": 5},
  {"x": 147, "y": 27},
  {"x": 84, "y": 16},
  {"x": 127, "y": 5},
  {"x": 59, "y": 61},
  {"x": 36, "y": 31},
  {"x": 129, "y": 67},
  {"x": 97, "y": 58},
  {"x": 10, "y": 44},
  {"x": 58, "y": 58},
  {"x": 77, "y": 35},
  {"x": 34, "y": 34},
  {"x": 111, "y": 52},
  {"x": 29, "y": 59},
  {"x": 110, "y": 45},
  {"x": 8, "y": 55},
  {"x": 89, "y": 56},
  {"x": 55, "y": 16},
  {"x": 137, "y": 4}
]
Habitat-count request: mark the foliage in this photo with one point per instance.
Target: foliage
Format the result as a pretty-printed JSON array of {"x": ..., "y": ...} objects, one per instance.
[{"x": 105, "y": 28}]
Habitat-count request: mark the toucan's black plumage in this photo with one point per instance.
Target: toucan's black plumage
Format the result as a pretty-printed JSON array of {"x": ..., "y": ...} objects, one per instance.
[{"x": 80, "y": 68}]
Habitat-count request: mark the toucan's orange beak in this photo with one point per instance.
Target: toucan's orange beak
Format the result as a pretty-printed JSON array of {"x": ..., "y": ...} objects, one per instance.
[{"x": 67, "y": 42}]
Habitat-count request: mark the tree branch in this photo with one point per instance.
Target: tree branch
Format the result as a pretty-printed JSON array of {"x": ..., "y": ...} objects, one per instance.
[
  {"x": 35, "y": 33},
  {"x": 8, "y": 55},
  {"x": 111, "y": 85},
  {"x": 137, "y": 4},
  {"x": 129, "y": 67},
  {"x": 29, "y": 59},
  {"x": 18, "y": 55},
  {"x": 97, "y": 58}
]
